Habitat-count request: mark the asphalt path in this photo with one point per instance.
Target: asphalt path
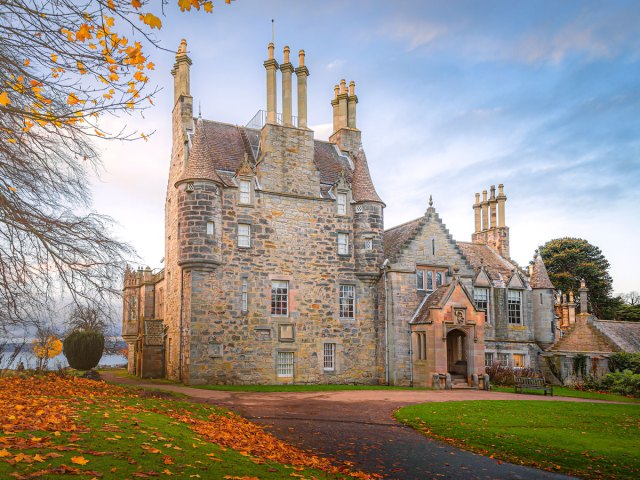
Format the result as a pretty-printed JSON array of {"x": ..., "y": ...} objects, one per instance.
[{"x": 357, "y": 427}]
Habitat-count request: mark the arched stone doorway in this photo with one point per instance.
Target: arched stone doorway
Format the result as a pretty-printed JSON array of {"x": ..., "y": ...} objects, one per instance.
[{"x": 457, "y": 357}]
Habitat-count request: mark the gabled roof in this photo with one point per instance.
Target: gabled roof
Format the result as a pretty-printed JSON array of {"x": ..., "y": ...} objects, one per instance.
[
  {"x": 539, "y": 276},
  {"x": 482, "y": 255},
  {"x": 516, "y": 281},
  {"x": 395, "y": 238},
  {"x": 438, "y": 299},
  {"x": 584, "y": 336},
  {"x": 399, "y": 237}
]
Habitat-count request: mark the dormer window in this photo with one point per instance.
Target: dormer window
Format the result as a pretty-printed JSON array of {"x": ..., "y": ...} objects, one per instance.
[
  {"x": 514, "y": 306},
  {"x": 245, "y": 191},
  {"x": 342, "y": 203}
]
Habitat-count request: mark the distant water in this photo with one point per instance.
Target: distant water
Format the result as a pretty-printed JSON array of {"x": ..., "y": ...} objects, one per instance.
[{"x": 29, "y": 360}]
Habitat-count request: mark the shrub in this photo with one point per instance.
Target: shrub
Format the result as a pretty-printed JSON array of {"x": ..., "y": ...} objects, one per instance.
[
  {"x": 624, "y": 383},
  {"x": 501, "y": 375},
  {"x": 621, "y": 361},
  {"x": 83, "y": 349}
]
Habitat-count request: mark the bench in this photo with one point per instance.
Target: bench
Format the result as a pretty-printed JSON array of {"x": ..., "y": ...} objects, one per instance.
[{"x": 531, "y": 383}]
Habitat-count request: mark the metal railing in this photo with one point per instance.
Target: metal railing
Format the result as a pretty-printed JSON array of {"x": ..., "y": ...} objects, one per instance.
[{"x": 259, "y": 120}]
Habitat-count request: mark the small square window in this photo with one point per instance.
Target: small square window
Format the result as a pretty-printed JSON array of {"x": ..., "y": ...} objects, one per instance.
[
  {"x": 343, "y": 244},
  {"x": 342, "y": 203},
  {"x": 244, "y": 235},
  {"x": 245, "y": 191},
  {"x": 329, "y": 363},
  {"x": 211, "y": 229},
  {"x": 368, "y": 243},
  {"x": 503, "y": 358},
  {"x": 284, "y": 364}
]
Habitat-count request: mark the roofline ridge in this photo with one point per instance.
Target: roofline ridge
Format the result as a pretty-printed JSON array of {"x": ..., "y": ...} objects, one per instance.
[{"x": 405, "y": 223}]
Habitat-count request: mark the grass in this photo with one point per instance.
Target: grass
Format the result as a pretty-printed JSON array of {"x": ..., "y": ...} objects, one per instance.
[
  {"x": 570, "y": 392},
  {"x": 131, "y": 437},
  {"x": 590, "y": 440}
]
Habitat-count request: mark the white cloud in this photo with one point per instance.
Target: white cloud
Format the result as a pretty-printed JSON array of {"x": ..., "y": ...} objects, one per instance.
[{"x": 415, "y": 33}]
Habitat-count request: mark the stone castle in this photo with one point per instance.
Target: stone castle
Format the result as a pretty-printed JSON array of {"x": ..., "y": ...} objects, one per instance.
[{"x": 278, "y": 267}]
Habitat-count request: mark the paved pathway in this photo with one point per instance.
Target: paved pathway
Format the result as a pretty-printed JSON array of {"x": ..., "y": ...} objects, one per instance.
[{"x": 357, "y": 426}]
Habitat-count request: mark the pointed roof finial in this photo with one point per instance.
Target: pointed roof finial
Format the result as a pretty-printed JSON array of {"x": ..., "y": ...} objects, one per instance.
[
  {"x": 430, "y": 200},
  {"x": 199, "y": 110}
]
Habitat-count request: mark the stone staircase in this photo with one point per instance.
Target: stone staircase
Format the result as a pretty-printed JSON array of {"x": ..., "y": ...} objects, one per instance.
[{"x": 459, "y": 382}]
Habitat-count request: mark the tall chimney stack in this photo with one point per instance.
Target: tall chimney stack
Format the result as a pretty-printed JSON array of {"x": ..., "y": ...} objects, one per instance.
[
  {"x": 485, "y": 211},
  {"x": 287, "y": 69},
  {"x": 502, "y": 198},
  {"x": 352, "y": 101},
  {"x": 476, "y": 213},
  {"x": 492, "y": 207},
  {"x": 302, "y": 72},
  {"x": 181, "y": 73},
  {"x": 272, "y": 98}
]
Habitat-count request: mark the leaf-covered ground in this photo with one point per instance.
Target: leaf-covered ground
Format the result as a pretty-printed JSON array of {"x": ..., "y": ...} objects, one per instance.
[
  {"x": 590, "y": 440},
  {"x": 52, "y": 427}
]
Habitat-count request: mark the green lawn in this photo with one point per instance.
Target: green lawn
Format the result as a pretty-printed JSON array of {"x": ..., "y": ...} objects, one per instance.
[
  {"x": 590, "y": 440},
  {"x": 570, "y": 392}
]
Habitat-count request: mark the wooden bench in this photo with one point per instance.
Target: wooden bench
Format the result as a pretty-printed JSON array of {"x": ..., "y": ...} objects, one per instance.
[{"x": 531, "y": 383}]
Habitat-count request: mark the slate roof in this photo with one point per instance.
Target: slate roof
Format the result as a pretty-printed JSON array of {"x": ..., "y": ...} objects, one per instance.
[
  {"x": 203, "y": 158},
  {"x": 361, "y": 184},
  {"x": 217, "y": 150},
  {"x": 431, "y": 300},
  {"x": 482, "y": 255},
  {"x": 626, "y": 335},
  {"x": 540, "y": 277},
  {"x": 395, "y": 238}
]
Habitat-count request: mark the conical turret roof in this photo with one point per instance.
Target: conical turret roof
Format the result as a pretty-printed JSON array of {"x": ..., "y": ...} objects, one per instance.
[
  {"x": 200, "y": 167},
  {"x": 539, "y": 276}
]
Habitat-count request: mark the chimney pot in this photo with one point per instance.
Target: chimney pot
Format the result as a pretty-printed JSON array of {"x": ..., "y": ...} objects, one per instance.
[
  {"x": 270, "y": 48},
  {"x": 352, "y": 88},
  {"x": 343, "y": 86},
  {"x": 301, "y": 58},
  {"x": 286, "y": 54},
  {"x": 336, "y": 89}
]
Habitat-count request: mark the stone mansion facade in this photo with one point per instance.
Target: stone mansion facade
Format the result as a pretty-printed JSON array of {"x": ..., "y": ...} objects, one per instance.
[{"x": 278, "y": 268}]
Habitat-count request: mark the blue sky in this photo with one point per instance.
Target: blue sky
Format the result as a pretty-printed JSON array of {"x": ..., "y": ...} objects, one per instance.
[{"x": 454, "y": 97}]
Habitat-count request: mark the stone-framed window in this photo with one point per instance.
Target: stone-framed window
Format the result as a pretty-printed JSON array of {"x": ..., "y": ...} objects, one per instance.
[
  {"x": 244, "y": 191},
  {"x": 211, "y": 229},
  {"x": 343, "y": 244},
  {"x": 519, "y": 360},
  {"x": 284, "y": 364},
  {"x": 329, "y": 357},
  {"x": 244, "y": 235},
  {"x": 368, "y": 243},
  {"x": 421, "y": 344},
  {"x": 488, "y": 359},
  {"x": 504, "y": 359},
  {"x": 514, "y": 306},
  {"x": 341, "y": 199},
  {"x": 481, "y": 299},
  {"x": 347, "y": 301},
  {"x": 244, "y": 295},
  {"x": 280, "y": 298},
  {"x": 429, "y": 278}
]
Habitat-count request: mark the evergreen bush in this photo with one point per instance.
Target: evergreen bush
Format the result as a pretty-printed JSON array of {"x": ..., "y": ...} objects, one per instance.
[
  {"x": 83, "y": 349},
  {"x": 621, "y": 361}
]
